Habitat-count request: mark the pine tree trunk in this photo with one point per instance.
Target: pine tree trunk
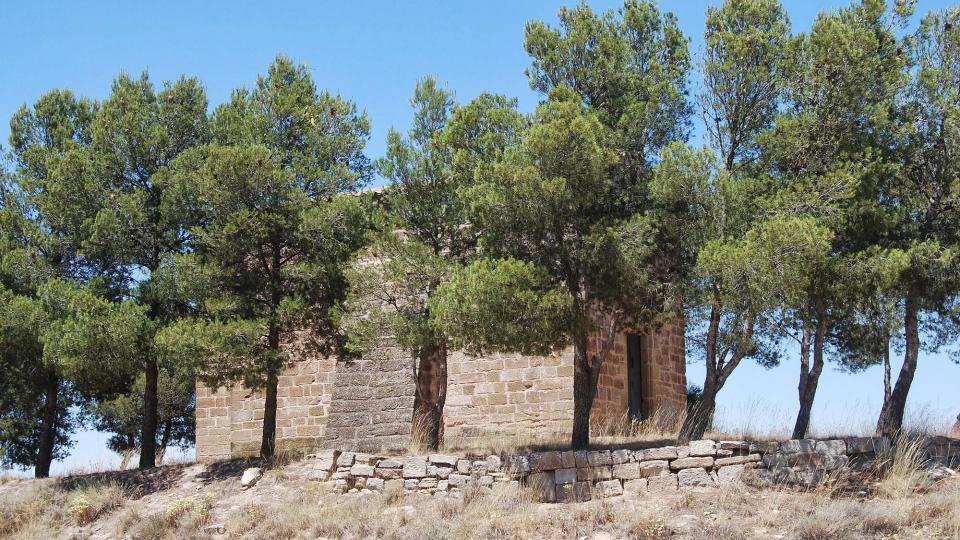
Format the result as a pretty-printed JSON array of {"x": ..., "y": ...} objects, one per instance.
[
  {"x": 48, "y": 426},
  {"x": 699, "y": 418},
  {"x": 585, "y": 377},
  {"x": 148, "y": 430},
  {"x": 431, "y": 394},
  {"x": 164, "y": 439},
  {"x": 886, "y": 372},
  {"x": 268, "y": 440},
  {"x": 701, "y": 415},
  {"x": 890, "y": 422},
  {"x": 809, "y": 377}
]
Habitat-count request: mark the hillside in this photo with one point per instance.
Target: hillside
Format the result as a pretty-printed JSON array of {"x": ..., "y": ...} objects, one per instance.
[{"x": 208, "y": 501}]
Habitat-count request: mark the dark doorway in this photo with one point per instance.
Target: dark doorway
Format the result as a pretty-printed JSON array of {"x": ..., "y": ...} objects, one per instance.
[{"x": 635, "y": 348}]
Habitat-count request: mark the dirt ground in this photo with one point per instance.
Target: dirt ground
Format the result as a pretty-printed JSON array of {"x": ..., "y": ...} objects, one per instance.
[{"x": 198, "y": 501}]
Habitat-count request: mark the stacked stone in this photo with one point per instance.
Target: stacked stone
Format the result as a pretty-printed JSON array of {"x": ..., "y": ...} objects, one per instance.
[
  {"x": 436, "y": 473},
  {"x": 564, "y": 476},
  {"x": 942, "y": 450}
]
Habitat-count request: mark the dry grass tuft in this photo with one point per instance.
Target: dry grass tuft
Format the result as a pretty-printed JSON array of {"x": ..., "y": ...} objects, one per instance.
[
  {"x": 906, "y": 472},
  {"x": 94, "y": 500}
]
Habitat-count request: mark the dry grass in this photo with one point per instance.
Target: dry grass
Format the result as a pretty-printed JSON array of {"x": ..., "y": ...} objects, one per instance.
[
  {"x": 92, "y": 501},
  {"x": 288, "y": 507}
]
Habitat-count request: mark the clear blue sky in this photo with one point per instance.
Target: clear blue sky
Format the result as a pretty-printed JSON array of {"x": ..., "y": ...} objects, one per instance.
[{"x": 373, "y": 52}]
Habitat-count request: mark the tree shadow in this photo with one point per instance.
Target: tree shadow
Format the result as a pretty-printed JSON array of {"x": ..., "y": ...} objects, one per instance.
[{"x": 135, "y": 483}]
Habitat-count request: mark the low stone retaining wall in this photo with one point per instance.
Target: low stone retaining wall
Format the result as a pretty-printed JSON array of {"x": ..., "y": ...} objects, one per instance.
[{"x": 564, "y": 476}]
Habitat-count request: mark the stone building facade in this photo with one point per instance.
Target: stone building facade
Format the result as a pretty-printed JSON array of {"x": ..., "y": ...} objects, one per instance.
[{"x": 367, "y": 404}]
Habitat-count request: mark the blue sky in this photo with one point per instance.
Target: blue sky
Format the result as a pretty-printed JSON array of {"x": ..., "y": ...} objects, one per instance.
[{"x": 373, "y": 53}]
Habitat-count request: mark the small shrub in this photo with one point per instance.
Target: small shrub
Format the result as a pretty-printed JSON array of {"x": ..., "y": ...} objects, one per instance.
[
  {"x": 94, "y": 501},
  {"x": 648, "y": 528}
]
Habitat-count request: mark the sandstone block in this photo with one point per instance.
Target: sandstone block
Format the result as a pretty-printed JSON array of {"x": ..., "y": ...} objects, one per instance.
[
  {"x": 543, "y": 486},
  {"x": 389, "y": 474},
  {"x": 486, "y": 480},
  {"x": 764, "y": 447},
  {"x": 545, "y": 461},
  {"x": 691, "y": 463},
  {"x": 458, "y": 480},
  {"x": 389, "y": 464},
  {"x": 795, "y": 446},
  {"x": 414, "y": 467},
  {"x": 427, "y": 483},
  {"x": 580, "y": 456},
  {"x": 730, "y": 476},
  {"x": 867, "y": 445},
  {"x": 326, "y": 459},
  {"x": 375, "y": 484},
  {"x": 609, "y": 488},
  {"x": 478, "y": 467},
  {"x": 594, "y": 473},
  {"x": 568, "y": 459},
  {"x": 654, "y": 454},
  {"x": 564, "y": 493},
  {"x": 565, "y": 476},
  {"x": 690, "y": 478},
  {"x": 410, "y": 483},
  {"x": 439, "y": 472},
  {"x": 662, "y": 484},
  {"x": 621, "y": 456},
  {"x": 626, "y": 471},
  {"x": 683, "y": 452},
  {"x": 736, "y": 460},
  {"x": 653, "y": 468},
  {"x": 736, "y": 446},
  {"x": 494, "y": 463},
  {"x": 463, "y": 466},
  {"x": 599, "y": 457},
  {"x": 443, "y": 485},
  {"x": 634, "y": 487},
  {"x": 250, "y": 477},
  {"x": 832, "y": 447},
  {"x": 703, "y": 448},
  {"x": 345, "y": 459},
  {"x": 361, "y": 470},
  {"x": 443, "y": 460}
]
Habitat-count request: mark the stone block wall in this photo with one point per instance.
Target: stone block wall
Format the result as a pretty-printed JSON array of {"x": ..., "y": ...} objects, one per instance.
[
  {"x": 367, "y": 404},
  {"x": 663, "y": 375},
  {"x": 372, "y": 402},
  {"x": 507, "y": 393},
  {"x": 566, "y": 476},
  {"x": 230, "y": 420}
]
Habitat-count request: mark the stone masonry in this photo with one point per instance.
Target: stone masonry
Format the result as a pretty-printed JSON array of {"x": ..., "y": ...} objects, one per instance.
[
  {"x": 366, "y": 404},
  {"x": 568, "y": 476}
]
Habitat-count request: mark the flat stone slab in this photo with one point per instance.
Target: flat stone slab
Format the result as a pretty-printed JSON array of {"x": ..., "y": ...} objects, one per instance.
[
  {"x": 609, "y": 488},
  {"x": 441, "y": 459},
  {"x": 691, "y": 463},
  {"x": 653, "y": 468},
  {"x": 662, "y": 484},
  {"x": 703, "y": 448},
  {"x": 626, "y": 471},
  {"x": 414, "y": 468},
  {"x": 690, "y": 478},
  {"x": 737, "y": 460},
  {"x": 667, "y": 452},
  {"x": 361, "y": 470}
]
